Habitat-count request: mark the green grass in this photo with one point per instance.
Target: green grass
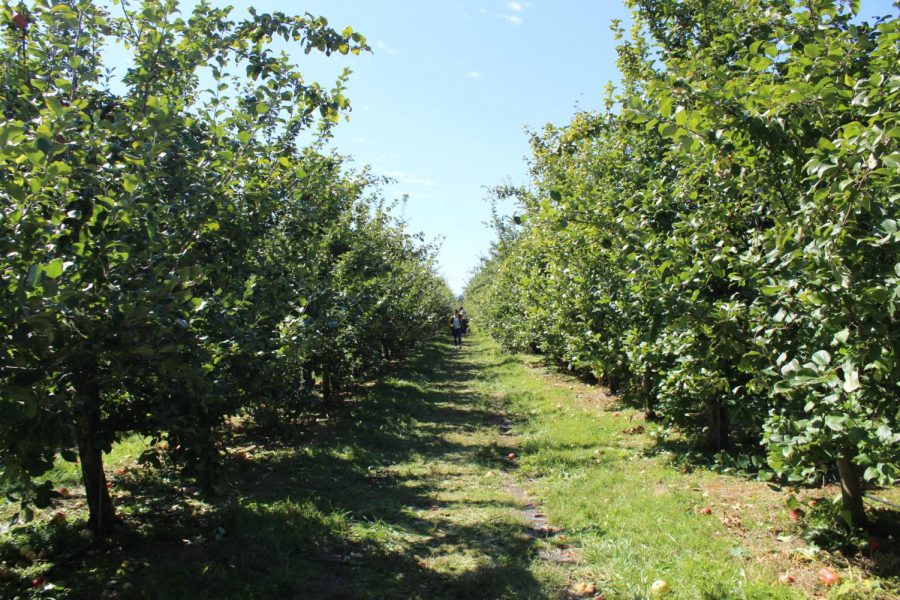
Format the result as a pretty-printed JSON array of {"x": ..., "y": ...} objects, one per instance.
[
  {"x": 381, "y": 499},
  {"x": 635, "y": 517},
  {"x": 124, "y": 454},
  {"x": 406, "y": 491}
]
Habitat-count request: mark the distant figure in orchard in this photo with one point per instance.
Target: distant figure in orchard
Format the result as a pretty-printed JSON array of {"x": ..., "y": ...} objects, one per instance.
[
  {"x": 464, "y": 318},
  {"x": 456, "y": 324}
]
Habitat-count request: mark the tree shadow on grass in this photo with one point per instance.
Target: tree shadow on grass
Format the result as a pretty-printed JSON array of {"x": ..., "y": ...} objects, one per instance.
[{"x": 327, "y": 516}]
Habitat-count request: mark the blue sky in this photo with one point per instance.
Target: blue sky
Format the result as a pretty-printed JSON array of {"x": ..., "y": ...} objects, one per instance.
[{"x": 442, "y": 103}]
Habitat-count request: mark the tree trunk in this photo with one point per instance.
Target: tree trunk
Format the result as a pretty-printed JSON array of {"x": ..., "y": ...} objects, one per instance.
[
  {"x": 308, "y": 378},
  {"x": 326, "y": 385},
  {"x": 717, "y": 436},
  {"x": 649, "y": 398},
  {"x": 102, "y": 514},
  {"x": 612, "y": 383},
  {"x": 851, "y": 489}
]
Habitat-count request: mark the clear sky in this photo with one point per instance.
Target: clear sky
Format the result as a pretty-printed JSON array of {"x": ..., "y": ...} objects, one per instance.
[{"x": 442, "y": 103}]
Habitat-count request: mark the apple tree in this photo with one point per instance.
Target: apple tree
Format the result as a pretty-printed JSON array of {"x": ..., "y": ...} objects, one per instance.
[{"x": 134, "y": 214}]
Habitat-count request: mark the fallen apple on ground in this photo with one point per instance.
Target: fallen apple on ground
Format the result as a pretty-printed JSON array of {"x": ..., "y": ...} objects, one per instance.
[
  {"x": 797, "y": 515},
  {"x": 584, "y": 589},
  {"x": 829, "y": 576},
  {"x": 660, "y": 587},
  {"x": 786, "y": 578}
]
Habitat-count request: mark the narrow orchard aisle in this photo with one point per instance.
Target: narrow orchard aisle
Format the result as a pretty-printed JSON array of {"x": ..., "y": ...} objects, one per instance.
[
  {"x": 473, "y": 474},
  {"x": 439, "y": 513},
  {"x": 463, "y": 474}
]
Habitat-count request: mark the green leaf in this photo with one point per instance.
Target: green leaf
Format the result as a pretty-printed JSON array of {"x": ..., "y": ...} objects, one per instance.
[
  {"x": 783, "y": 386},
  {"x": 34, "y": 275},
  {"x": 812, "y": 50},
  {"x": 841, "y": 336},
  {"x": 821, "y": 358},
  {"x": 261, "y": 107},
  {"x": 851, "y": 378},
  {"x": 130, "y": 183},
  {"x": 835, "y": 423},
  {"x": 53, "y": 269},
  {"x": 665, "y": 107},
  {"x": 667, "y": 129},
  {"x": 892, "y": 160}
]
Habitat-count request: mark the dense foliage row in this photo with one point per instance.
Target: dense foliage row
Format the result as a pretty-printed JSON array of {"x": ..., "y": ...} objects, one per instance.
[
  {"x": 170, "y": 252},
  {"x": 725, "y": 246}
]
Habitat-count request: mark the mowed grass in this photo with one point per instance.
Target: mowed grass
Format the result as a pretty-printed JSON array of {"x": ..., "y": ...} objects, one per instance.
[
  {"x": 383, "y": 497},
  {"x": 410, "y": 490},
  {"x": 638, "y": 516}
]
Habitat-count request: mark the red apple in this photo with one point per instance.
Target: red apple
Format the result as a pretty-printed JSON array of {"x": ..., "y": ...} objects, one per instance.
[
  {"x": 20, "y": 21},
  {"x": 511, "y": 456},
  {"x": 38, "y": 582},
  {"x": 786, "y": 578},
  {"x": 64, "y": 492},
  {"x": 706, "y": 510},
  {"x": 828, "y": 576},
  {"x": 58, "y": 518},
  {"x": 797, "y": 515}
]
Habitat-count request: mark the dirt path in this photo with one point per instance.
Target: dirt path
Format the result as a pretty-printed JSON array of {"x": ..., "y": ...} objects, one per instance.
[{"x": 550, "y": 551}]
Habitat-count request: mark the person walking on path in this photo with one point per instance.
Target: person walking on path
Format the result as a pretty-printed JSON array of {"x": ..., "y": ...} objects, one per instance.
[
  {"x": 456, "y": 329},
  {"x": 464, "y": 319}
]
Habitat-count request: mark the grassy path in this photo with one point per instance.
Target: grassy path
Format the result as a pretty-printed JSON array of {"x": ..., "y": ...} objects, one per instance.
[{"x": 464, "y": 474}]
